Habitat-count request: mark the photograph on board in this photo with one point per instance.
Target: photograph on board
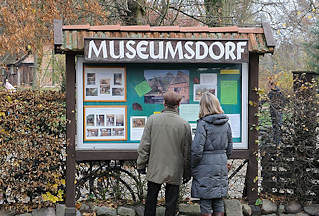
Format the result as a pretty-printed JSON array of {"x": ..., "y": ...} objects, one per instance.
[
  {"x": 117, "y": 91},
  {"x": 119, "y": 120},
  {"x": 90, "y": 120},
  {"x": 91, "y": 79},
  {"x": 106, "y": 132},
  {"x": 138, "y": 122},
  {"x": 92, "y": 132},
  {"x": 100, "y": 120},
  {"x": 117, "y": 78},
  {"x": 162, "y": 81},
  {"x": 110, "y": 120},
  {"x": 91, "y": 92},
  {"x": 118, "y": 131},
  {"x": 105, "y": 86},
  {"x": 200, "y": 89}
]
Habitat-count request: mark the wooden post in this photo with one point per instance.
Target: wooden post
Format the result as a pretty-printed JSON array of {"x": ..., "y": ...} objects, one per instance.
[
  {"x": 70, "y": 135},
  {"x": 252, "y": 169}
]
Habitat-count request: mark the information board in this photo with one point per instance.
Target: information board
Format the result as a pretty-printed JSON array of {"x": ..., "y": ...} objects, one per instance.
[{"x": 115, "y": 100}]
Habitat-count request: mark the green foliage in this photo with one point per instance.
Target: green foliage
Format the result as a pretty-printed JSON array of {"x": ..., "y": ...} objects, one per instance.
[{"x": 32, "y": 148}]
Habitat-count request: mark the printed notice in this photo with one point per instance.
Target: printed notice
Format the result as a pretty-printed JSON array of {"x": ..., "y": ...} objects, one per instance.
[
  {"x": 137, "y": 127},
  {"x": 193, "y": 128},
  {"x": 234, "y": 121},
  {"x": 208, "y": 78},
  {"x": 189, "y": 112},
  {"x": 142, "y": 88},
  {"x": 228, "y": 91},
  {"x": 233, "y": 71}
]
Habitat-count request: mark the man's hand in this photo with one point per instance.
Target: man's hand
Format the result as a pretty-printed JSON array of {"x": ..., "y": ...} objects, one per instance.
[{"x": 141, "y": 171}]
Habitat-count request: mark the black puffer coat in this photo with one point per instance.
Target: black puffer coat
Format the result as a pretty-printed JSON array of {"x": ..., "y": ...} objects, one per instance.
[{"x": 211, "y": 148}]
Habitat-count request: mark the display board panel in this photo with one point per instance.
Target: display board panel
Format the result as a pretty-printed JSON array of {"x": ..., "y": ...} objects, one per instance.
[{"x": 145, "y": 85}]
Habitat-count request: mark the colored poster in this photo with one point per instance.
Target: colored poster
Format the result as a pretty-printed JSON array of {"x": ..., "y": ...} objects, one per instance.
[
  {"x": 162, "y": 81},
  {"x": 233, "y": 71},
  {"x": 200, "y": 89},
  {"x": 142, "y": 88},
  {"x": 189, "y": 112},
  {"x": 228, "y": 91}
]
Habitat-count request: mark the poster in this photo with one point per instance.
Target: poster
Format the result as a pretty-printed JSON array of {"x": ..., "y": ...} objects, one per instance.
[
  {"x": 105, "y": 123},
  {"x": 234, "y": 121},
  {"x": 104, "y": 84},
  {"x": 208, "y": 78},
  {"x": 228, "y": 91},
  {"x": 137, "y": 127},
  {"x": 200, "y": 89},
  {"x": 193, "y": 129},
  {"x": 189, "y": 112},
  {"x": 161, "y": 81}
]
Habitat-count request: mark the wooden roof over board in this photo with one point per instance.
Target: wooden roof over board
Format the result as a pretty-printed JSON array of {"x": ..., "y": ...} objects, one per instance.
[{"x": 70, "y": 38}]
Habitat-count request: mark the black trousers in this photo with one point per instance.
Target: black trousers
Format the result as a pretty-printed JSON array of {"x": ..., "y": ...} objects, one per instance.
[{"x": 171, "y": 197}]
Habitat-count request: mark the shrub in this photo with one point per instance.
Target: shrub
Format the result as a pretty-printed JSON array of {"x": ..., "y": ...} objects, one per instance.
[{"x": 32, "y": 148}]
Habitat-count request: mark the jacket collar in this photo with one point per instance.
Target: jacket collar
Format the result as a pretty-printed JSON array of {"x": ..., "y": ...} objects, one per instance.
[{"x": 167, "y": 109}]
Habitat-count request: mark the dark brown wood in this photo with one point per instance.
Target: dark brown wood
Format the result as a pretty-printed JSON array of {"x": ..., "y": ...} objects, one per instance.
[
  {"x": 89, "y": 155},
  {"x": 173, "y": 50},
  {"x": 70, "y": 133},
  {"x": 268, "y": 35},
  {"x": 252, "y": 169},
  {"x": 240, "y": 154},
  {"x": 57, "y": 27}
]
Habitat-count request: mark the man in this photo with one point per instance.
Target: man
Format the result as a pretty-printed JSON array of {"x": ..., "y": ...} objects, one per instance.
[{"x": 165, "y": 151}]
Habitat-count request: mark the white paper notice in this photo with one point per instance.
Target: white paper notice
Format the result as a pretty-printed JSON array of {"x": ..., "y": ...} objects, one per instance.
[
  {"x": 137, "y": 127},
  {"x": 193, "y": 128},
  {"x": 208, "y": 78},
  {"x": 189, "y": 112},
  {"x": 234, "y": 121}
]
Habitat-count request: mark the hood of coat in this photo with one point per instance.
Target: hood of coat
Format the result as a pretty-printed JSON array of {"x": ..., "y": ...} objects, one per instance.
[{"x": 216, "y": 119}]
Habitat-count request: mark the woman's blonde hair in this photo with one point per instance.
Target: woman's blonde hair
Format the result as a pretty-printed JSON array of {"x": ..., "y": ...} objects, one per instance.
[{"x": 209, "y": 105}]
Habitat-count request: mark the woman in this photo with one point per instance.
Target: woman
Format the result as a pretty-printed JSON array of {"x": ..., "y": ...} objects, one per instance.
[{"x": 211, "y": 148}]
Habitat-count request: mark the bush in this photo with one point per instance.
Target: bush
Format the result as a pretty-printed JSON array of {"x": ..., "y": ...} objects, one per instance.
[
  {"x": 290, "y": 161},
  {"x": 32, "y": 148}
]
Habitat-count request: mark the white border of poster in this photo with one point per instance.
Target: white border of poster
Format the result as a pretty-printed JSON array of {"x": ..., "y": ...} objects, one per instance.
[
  {"x": 137, "y": 128},
  {"x": 104, "y": 83}
]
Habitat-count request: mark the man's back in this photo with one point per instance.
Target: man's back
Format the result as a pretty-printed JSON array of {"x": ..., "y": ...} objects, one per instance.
[{"x": 169, "y": 137}]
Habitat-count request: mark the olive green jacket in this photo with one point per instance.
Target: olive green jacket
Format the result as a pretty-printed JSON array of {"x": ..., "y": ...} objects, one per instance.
[{"x": 165, "y": 148}]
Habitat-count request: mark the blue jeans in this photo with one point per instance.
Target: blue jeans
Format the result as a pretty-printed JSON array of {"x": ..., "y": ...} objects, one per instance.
[{"x": 206, "y": 205}]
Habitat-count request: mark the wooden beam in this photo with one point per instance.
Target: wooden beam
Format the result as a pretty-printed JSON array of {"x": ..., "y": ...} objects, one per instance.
[
  {"x": 251, "y": 183},
  {"x": 70, "y": 135}
]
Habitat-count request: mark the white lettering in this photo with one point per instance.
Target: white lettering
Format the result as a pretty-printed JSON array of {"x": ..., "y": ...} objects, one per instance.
[
  {"x": 130, "y": 49},
  {"x": 141, "y": 47},
  {"x": 230, "y": 48},
  {"x": 169, "y": 48},
  {"x": 221, "y": 50},
  {"x": 188, "y": 48},
  {"x": 160, "y": 50},
  {"x": 97, "y": 51},
  {"x": 121, "y": 50},
  {"x": 240, "y": 50},
  {"x": 197, "y": 50}
]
